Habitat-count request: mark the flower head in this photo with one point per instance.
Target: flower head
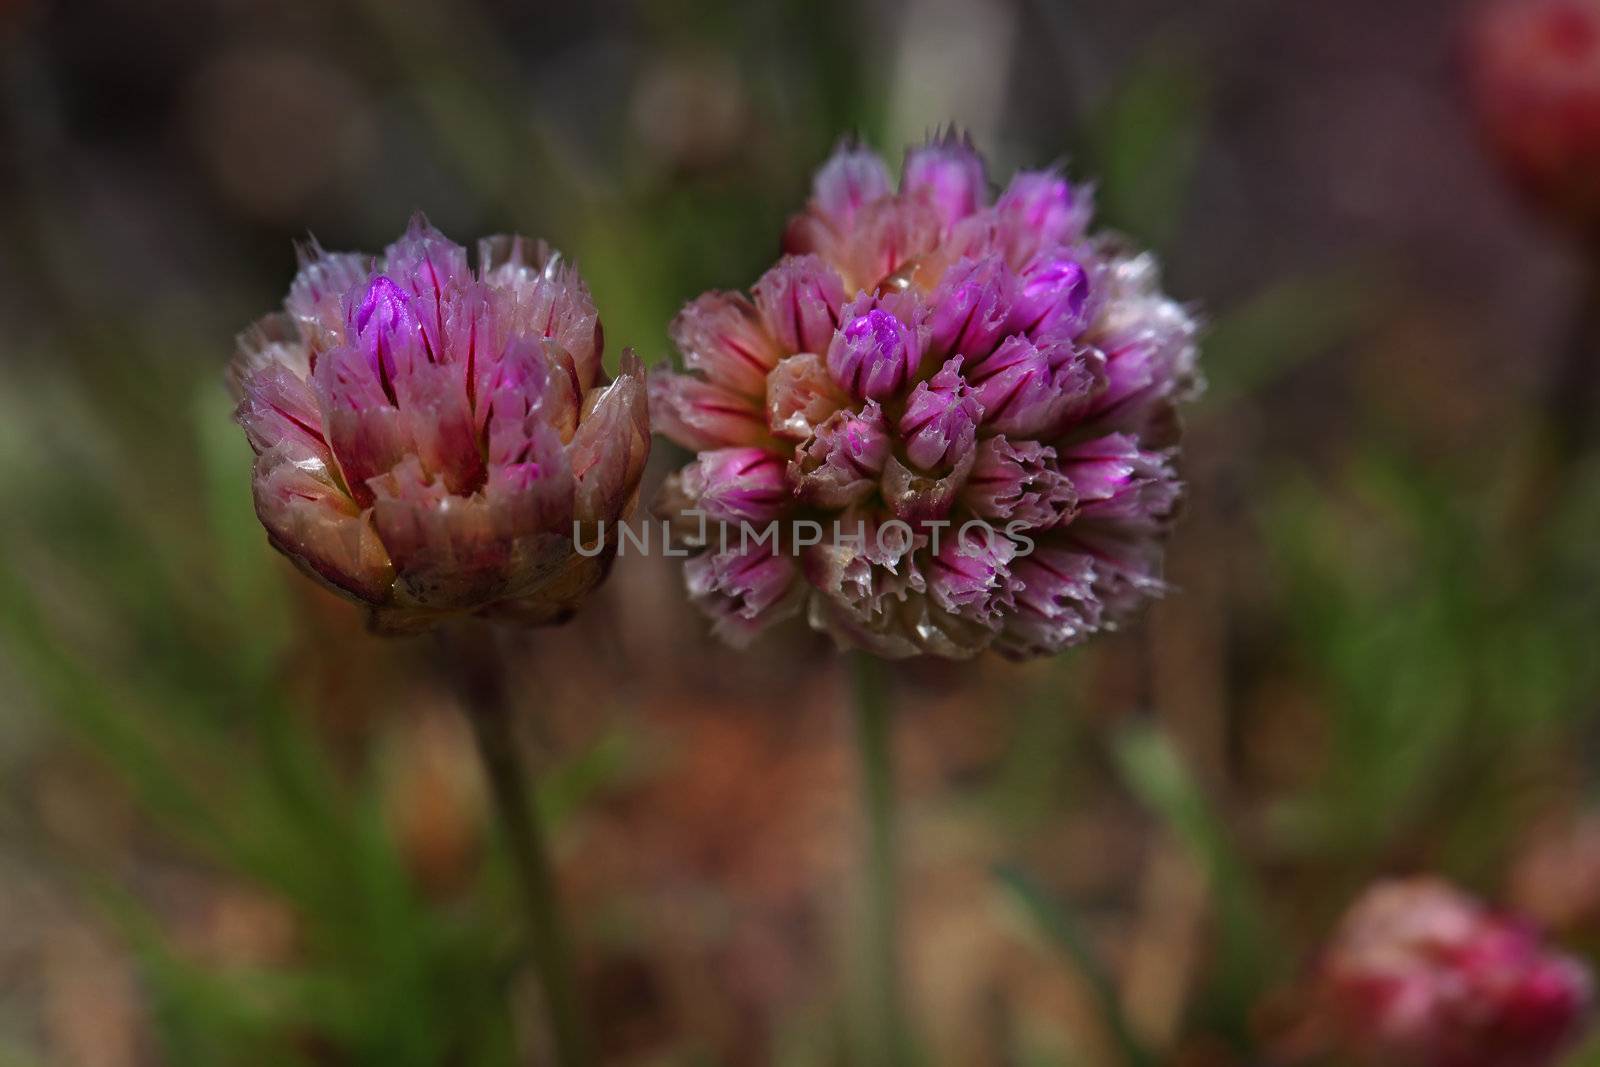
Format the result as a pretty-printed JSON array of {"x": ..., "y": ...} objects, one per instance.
[
  {"x": 926, "y": 358},
  {"x": 1421, "y": 974},
  {"x": 1534, "y": 73},
  {"x": 427, "y": 436}
]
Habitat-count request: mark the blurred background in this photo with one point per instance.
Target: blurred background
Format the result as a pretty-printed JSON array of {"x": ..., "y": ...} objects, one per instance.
[{"x": 236, "y": 830}]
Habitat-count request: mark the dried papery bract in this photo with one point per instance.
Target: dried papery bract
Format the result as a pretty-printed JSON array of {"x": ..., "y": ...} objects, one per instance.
[
  {"x": 1419, "y": 974},
  {"x": 927, "y": 356},
  {"x": 428, "y": 435}
]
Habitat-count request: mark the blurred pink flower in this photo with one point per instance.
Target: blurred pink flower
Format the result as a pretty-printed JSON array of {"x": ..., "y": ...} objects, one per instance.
[
  {"x": 926, "y": 356},
  {"x": 1419, "y": 973},
  {"x": 1534, "y": 73},
  {"x": 427, "y": 436}
]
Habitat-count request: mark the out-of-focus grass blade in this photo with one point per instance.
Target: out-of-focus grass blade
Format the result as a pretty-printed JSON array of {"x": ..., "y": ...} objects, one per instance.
[
  {"x": 1064, "y": 931},
  {"x": 1146, "y": 140},
  {"x": 1154, "y": 771}
]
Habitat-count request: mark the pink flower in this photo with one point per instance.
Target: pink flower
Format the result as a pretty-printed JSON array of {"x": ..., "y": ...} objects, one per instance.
[
  {"x": 1421, "y": 974},
  {"x": 937, "y": 357},
  {"x": 1534, "y": 73},
  {"x": 428, "y": 438}
]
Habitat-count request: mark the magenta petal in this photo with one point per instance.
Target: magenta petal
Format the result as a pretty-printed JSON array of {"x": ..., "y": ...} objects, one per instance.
[
  {"x": 876, "y": 352},
  {"x": 851, "y": 178},
  {"x": 744, "y": 591},
  {"x": 699, "y": 415},
  {"x": 1033, "y": 390},
  {"x": 841, "y": 463},
  {"x": 721, "y": 335},
  {"x": 1018, "y": 481},
  {"x": 317, "y": 294},
  {"x": 278, "y": 409},
  {"x": 972, "y": 307},
  {"x": 738, "y": 485},
  {"x": 970, "y": 576},
  {"x": 941, "y": 419},
  {"x": 801, "y": 299},
  {"x": 948, "y": 173}
]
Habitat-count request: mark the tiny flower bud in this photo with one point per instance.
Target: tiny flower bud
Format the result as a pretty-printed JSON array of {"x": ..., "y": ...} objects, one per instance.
[
  {"x": 800, "y": 299},
  {"x": 744, "y": 590},
  {"x": 948, "y": 173},
  {"x": 941, "y": 418},
  {"x": 852, "y": 178},
  {"x": 721, "y": 336},
  {"x": 1030, "y": 390},
  {"x": 841, "y": 463},
  {"x": 1534, "y": 71},
  {"x": 738, "y": 484},
  {"x": 972, "y": 307},
  {"x": 1053, "y": 298},
  {"x": 1041, "y": 208},
  {"x": 874, "y": 353},
  {"x": 969, "y": 576},
  {"x": 1019, "y": 481}
]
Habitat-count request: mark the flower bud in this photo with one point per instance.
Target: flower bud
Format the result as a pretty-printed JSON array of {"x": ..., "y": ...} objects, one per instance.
[
  {"x": 874, "y": 353},
  {"x": 1115, "y": 480},
  {"x": 1031, "y": 390},
  {"x": 969, "y": 575},
  {"x": 800, "y": 300},
  {"x": 851, "y": 179},
  {"x": 947, "y": 173},
  {"x": 738, "y": 484},
  {"x": 941, "y": 419},
  {"x": 1041, "y": 208},
  {"x": 1421, "y": 974},
  {"x": 841, "y": 463},
  {"x": 1019, "y": 482},
  {"x": 1534, "y": 72},
  {"x": 435, "y": 460},
  {"x": 972, "y": 307},
  {"x": 744, "y": 591},
  {"x": 721, "y": 336},
  {"x": 1053, "y": 300}
]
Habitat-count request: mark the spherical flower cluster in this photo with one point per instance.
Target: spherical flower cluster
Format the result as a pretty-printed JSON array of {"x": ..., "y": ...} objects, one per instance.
[
  {"x": 1421, "y": 974},
  {"x": 925, "y": 361},
  {"x": 1534, "y": 70},
  {"x": 426, "y": 435}
]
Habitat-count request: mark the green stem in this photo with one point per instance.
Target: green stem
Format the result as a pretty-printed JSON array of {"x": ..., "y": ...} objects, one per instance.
[
  {"x": 480, "y": 673},
  {"x": 886, "y": 1027}
]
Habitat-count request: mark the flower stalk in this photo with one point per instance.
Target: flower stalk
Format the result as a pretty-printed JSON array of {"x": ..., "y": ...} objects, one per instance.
[
  {"x": 476, "y": 664},
  {"x": 886, "y": 1030}
]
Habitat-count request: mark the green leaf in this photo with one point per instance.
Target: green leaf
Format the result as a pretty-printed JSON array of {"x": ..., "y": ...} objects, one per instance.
[{"x": 1063, "y": 930}]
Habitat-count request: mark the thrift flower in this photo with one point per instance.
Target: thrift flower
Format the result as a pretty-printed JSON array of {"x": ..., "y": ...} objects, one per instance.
[
  {"x": 1421, "y": 974},
  {"x": 971, "y": 396},
  {"x": 1534, "y": 73},
  {"x": 429, "y": 437}
]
